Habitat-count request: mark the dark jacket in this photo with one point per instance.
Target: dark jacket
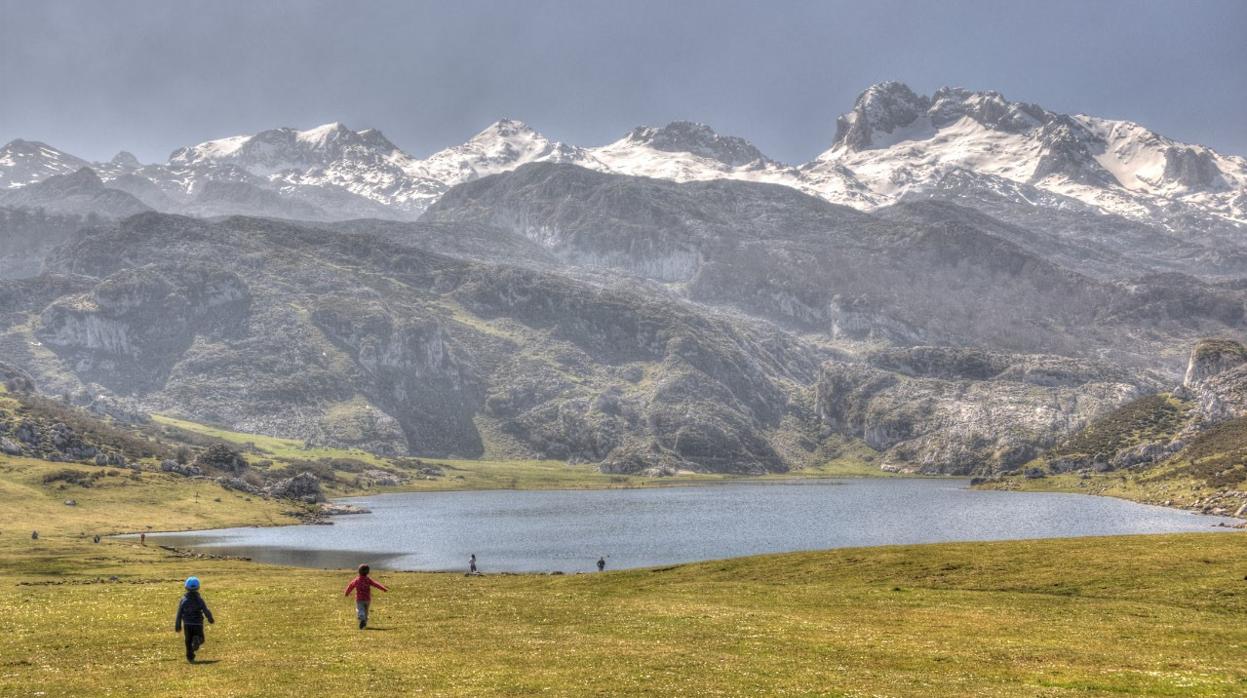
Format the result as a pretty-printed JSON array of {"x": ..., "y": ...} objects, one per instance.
[{"x": 191, "y": 611}]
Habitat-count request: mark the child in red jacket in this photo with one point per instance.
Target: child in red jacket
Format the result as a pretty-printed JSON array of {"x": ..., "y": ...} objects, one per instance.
[{"x": 362, "y": 585}]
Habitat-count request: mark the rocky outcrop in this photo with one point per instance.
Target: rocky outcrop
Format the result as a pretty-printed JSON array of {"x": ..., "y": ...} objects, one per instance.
[
  {"x": 1197, "y": 425},
  {"x": 127, "y": 332},
  {"x": 413, "y": 368},
  {"x": 220, "y": 458},
  {"x": 963, "y": 412},
  {"x": 1145, "y": 454},
  {"x": 383, "y": 478},
  {"x": 879, "y": 111},
  {"x": 9, "y": 447},
  {"x": 304, "y": 487},
  {"x": 185, "y": 470},
  {"x": 238, "y": 484},
  {"x": 1216, "y": 378},
  {"x": 1211, "y": 357}
]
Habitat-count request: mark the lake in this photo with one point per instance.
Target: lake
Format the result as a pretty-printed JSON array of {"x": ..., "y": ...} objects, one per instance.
[{"x": 567, "y": 530}]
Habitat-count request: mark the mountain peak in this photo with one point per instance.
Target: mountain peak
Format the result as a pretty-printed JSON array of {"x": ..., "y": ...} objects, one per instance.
[
  {"x": 125, "y": 160},
  {"x": 24, "y": 162},
  {"x": 987, "y": 107},
  {"x": 880, "y": 109},
  {"x": 506, "y": 128},
  {"x": 324, "y": 134},
  {"x": 697, "y": 139}
]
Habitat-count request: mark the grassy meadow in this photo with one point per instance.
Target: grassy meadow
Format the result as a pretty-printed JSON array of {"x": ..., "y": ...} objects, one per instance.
[{"x": 1143, "y": 615}]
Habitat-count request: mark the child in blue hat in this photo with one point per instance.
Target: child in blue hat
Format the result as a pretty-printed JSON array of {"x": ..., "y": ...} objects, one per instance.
[{"x": 191, "y": 613}]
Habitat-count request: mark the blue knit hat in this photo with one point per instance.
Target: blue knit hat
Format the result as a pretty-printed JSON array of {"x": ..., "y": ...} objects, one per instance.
[{"x": 192, "y": 583}]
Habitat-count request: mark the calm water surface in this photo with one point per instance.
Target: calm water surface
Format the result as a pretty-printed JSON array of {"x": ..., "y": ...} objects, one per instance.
[{"x": 567, "y": 530}]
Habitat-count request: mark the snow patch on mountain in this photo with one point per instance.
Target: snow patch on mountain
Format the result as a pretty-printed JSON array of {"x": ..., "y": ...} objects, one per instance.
[{"x": 26, "y": 162}]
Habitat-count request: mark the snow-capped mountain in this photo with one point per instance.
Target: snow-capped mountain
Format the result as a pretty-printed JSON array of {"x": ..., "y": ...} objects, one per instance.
[
  {"x": 27, "y": 162},
  {"x": 893, "y": 145},
  {"x": 898, "y": 143},
  {"x": 501, "y": 147}
]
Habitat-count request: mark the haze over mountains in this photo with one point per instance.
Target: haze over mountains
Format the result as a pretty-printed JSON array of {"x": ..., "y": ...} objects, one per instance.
[{"x": 956, "y": 283}]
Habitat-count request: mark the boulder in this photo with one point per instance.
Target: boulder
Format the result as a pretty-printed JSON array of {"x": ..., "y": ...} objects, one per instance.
[
  {"x": 383, "y": 478},
  {"x": 223, "y": 458},
  {"x": 238, "y": 485},
  {"x": 1144, "y": 454},
  {"x": 169, "y": 465},
  {"x": 304, "y": 487},
  {"x": 9, "y": 447}
]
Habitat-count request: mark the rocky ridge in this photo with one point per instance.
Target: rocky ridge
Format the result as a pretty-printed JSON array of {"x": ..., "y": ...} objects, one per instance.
[{"x": 1183, "y": 205}]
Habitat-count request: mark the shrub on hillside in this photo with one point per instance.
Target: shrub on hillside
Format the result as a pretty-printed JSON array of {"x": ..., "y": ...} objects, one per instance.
[
  {"x": 73, "y": 477},
  {"x": 219, "y": 457}
]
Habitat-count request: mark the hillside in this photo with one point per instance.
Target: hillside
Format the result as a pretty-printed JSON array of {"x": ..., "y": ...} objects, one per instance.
[
  {"x": 67, "y": 452},
  {"x": 1183, "y": 448},
  {"x": 372, "y": 341}
]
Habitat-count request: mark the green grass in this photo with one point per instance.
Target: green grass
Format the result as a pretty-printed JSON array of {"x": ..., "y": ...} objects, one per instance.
[
  {"x": 1156, "y": 486},
  {"x": 119, "y": 502},
  {"x": 463, "y": 474},
  {"x": 1211, "y": 462},
  {"x": 1143, "y": 615},
  {"x": 267, "y": 446}
]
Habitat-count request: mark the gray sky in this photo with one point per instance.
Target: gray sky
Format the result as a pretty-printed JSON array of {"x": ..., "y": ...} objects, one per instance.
[{"x": 149, "y": 76}]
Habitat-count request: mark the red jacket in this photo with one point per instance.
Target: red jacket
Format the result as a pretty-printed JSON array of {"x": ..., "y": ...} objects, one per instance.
[{"x": 363, "y": 588}]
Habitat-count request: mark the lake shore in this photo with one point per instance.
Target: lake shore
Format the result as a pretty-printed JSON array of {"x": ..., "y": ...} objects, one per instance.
[{"x": 566, "y": 530}]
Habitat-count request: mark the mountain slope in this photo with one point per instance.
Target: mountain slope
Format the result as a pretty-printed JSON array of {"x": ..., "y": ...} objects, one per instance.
[
  {"x": 812, "y": 266},
  {"x": 27, "y": 162},
  {"x": 1184, "y": 447},
  {"x": 274, "y": 328}
]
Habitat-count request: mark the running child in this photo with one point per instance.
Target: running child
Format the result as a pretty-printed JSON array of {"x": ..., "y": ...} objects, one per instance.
[
  {"x": 190, "y": 618},
  {"x": 362, "y": 586}
]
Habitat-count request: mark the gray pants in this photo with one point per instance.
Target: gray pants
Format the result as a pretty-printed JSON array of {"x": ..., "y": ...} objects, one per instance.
[{"x": 361, "y": 611}]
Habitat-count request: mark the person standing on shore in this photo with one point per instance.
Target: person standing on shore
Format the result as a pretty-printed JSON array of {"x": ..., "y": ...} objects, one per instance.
[
  {"x": 472, "y": 564},
  {"x": 601, "y": 564},
  {"x": 362, "y": 586}
]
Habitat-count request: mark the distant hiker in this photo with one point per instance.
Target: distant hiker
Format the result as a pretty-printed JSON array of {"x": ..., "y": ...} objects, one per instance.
[
  {"x": 142, "y": 539},
  {"x": 97, "y": 538},
  {"x": 362, "y": 586},
  {"x": 601, "y": 564},
  {"x": 472, "y": 564},
  {"x": 34, "y": 535},
  {"x": 191, "y": 613}
]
